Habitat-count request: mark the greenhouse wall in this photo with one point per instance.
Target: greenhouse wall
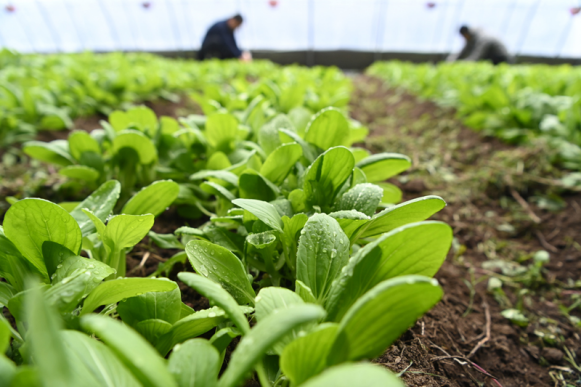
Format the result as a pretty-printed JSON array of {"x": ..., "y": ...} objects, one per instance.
[{"x": 531, "y": 28}]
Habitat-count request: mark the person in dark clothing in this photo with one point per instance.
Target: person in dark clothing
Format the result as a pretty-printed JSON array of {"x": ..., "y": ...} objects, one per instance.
[
  {"x": 481, "y": 47},
  {"x": 219, "y": 41}
]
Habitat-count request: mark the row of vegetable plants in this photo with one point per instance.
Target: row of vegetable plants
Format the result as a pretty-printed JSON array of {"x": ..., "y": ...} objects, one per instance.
[
  {"x": 305, "y": 252},
  {"x": 516, "y": 103},
  {"x": 46, "y": 92}
]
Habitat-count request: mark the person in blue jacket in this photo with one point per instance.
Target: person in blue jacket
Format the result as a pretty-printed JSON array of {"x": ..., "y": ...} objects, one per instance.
[{"x": 219, "y": 41}]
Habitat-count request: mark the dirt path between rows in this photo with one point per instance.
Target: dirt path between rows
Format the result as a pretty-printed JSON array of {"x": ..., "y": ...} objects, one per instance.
[{"x": 491, "y": 229}]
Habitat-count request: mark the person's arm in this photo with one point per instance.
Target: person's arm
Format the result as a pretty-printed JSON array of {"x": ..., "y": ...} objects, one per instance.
[{"x": 229, "y": 42}]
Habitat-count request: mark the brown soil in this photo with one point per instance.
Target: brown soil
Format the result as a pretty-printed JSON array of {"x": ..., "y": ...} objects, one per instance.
[{"x": 514, "y": 356}]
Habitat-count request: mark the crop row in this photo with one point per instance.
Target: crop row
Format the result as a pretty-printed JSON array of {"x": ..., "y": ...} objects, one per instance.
[
  {"x": 514, "y": 103},
  {"x": 305, "y": 253},
  {"x": 45, "y": 92}
]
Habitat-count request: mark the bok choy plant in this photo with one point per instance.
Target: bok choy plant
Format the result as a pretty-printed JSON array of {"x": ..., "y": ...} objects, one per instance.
[
  {"x": 369, "y": 299},
  {"x": 41, "y": 240},
  {"x": 104, "y": 352}
]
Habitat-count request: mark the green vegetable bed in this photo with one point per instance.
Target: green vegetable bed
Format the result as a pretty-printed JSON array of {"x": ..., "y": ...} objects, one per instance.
[{"x": 519, "y": 104}]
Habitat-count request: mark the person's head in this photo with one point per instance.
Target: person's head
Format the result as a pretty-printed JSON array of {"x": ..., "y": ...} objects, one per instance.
[
  {"x": 464, "y": 30},
  {"x": 235, "y": 22}
]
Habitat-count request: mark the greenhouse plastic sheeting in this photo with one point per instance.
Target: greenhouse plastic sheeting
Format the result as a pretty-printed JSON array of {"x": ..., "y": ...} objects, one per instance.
[{"x": 529, "y": 27}]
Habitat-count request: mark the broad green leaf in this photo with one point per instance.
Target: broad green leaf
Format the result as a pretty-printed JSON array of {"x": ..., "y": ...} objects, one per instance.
[
  {"x": 358, "y": 177},
  {"x": 364, "y": 198},
  {"x": 14, "y": 268},
  {"x": 26, "y": 376},
  {"x": 292, "y": 96},
  {"x": 140, "y": 117},
  {"x": 415, "y": 210},
  {"x": 355, "y": 375},
  {"x": 119, "y": 120},
  {"x": 151, "y": 305},
  {"x": 185, "y": 310},
  {"x": 223, "y": 267},
  {"x": 380, "y": 167},
  {"x": 269, "y": 133},
  {"x": 221, "y": 131},
  {"x": 225, "y": 238},
  {"x": 219, "y": 296},
  {"x": 325, "y": 177},
  {"x": 100, "y": 202},
  {"x": 304, "y": 292},
  {"x": 271, "y": 299},
  {"x": 83, "y": 173},
  {"x": 414, "y": 249},
  {"x": 360, "y": 153},
  {"x": 153, "y": 199},
  {"x": 323, "y": 251},
  {"x": 125, "y": 231},
  {"x": 133, "y": 351},
  {"x": 306, "y": 356},
  {"x": 74, "y": 279},
  {"x": 283, "y": 206},
  {"x": 191, "y": 326},
  {"x": 381, "y": 315},
  {"x": 138, "y": 142},
  {"x": 392, "y": 194},
  {"x": 263, "y": 336},
  {"x": 253, "y": 185},
  {"x": 45, "y": 342},
  {"x": 81, "y": 142},
  {"x": 217, "y": 190},
  {"x": 55, "y": 152},
  {"x": 169, "y": 125},
  {"x": 357, "y": 135},
  {"x": 226, "y": 176},
  {"x": 153, "y": 329},
  {"x": 300, "y": 117},
  {"x": 218, "y": 161},
  {"x": 7, "y": 372},
  {"x": 100, "y": 361},
  {"x": 264, "y": 211},
  {"x": 195, "y": 363},
  {"x": 54, "y": 254},
  {"x": 280, "y": 162},
  {"x": 350, "y": 220},
  {"x": 30, "y": 222},
  {"x": 143, "y": 117},
  {"x": 328, "y": 128},
  {"x": 116, "y": 290}
]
